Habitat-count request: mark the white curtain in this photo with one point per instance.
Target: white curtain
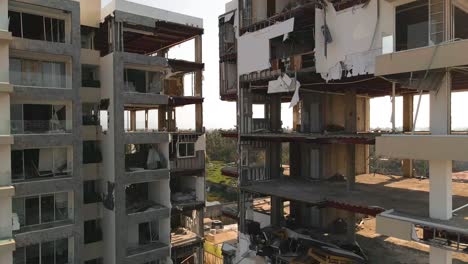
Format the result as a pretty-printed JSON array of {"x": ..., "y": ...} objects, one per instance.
[{"x": 54, "y": 74}]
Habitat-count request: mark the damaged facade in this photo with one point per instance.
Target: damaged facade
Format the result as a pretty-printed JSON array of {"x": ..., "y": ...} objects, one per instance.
[
  {"x": 326, "y": 60},
  {"x": 95, "y": 169}
]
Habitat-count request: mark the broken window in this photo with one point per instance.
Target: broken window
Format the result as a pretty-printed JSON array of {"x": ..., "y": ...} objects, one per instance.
[
  {"x": 34, "y": 119},
  {"x": 135, "y": 81},
  {"x": 143, "y": 82},
  {"x": 91, "y": 192},
  {"x": 246, "y": 12},
  {"x": 30, "y": 26},
  {"x": 41, "y": 209},
  {"x": 412, "y": 25},
  {"x": 31, "y": 164},
  {"x": 90, "y": 115},
  {"x": 88, "y": 36},
  {"x": 91, "y": 152},
  {"x": 143, "y": 157},
  {"x": 148, "y": 233},
  {"x": 90, "y": 76},
  {"x": 92, "y": 231}
]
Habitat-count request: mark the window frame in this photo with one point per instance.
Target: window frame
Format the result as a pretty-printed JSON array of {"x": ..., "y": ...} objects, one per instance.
[
  {"x": 39, "y": 197},
  {"x": 179, "y": 156}
]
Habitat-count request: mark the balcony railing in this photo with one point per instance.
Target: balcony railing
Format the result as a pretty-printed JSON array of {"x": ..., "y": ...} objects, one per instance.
[
  {"x": 254, "y": 174},
  {"x": 155, "y": 88},
  {"x": 40, "y": 126},
  {"x": 142, "y": 127},
  {"x": 57, "y": 80}
]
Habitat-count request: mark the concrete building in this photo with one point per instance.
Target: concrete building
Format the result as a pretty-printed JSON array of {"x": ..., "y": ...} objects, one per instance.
[
  {"x": 94, "y": 168},
  {"x": 327, "y": 60}
]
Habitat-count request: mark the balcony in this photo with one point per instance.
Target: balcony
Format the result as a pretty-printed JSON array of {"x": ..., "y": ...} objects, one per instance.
[
  {"x": 143, "y": 240},
  {"x": 422, "y": 147},
  {"x": 90, "y": 76},
  {"x": 144, "y": 158},
  {"x": 143, "y": 87},
  {"x": 34, "y": 127},
  {"x": 36, "y": 74},
  {"x": 143, "y": 201},
  {"x": 40, "y": 164},
  {"x": 451, "y": 235},
  {"x": 227, "y": 37},
  {"x": 145, "y": 135},
  {"x": 137, "y": 81},
  {"x": 451, "y": 54}
]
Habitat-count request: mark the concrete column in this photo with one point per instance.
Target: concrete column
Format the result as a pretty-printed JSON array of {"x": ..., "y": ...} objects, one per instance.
[
  {"x": 351, "y": 167},
  {"x": 407, "y": 166},
  {"x": 199, "y": 84},
  {"x": 351, "y": 227},
  {"x": 351, "y": 127},
  {"x": 439, "y": 256},
  {"x": 275, "y": 112},
  {"x": 133, "y": 120},
  {"x": 440, "y": 196},
  {"x": 351, "y": 110},
  {"x": 440, "y": 171},
  {"x": 277, "y": 211},
  {"x": 296, "y": 118}
]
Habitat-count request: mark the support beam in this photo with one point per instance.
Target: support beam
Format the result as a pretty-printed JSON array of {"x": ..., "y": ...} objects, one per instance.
[
  {"x": 277, "y": 211},
  {"x": 296, "y": 117},
  {"x": 351, "y": 227},
  {"x": 162, "y": 121},
  {"x": 350, "y": 111},
  {"x": 408, "y": 110},
  {"x": 351, "y": 127},
  {"x": 132, "y": 120},
  {"x": 199, "y": 84},
  {"x": 275, "y": 112}
]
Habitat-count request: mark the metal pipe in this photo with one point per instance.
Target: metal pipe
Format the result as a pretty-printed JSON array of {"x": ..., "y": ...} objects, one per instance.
[
  {"x": 460, "y": 208},
  {"x": 417, "y": 112}
]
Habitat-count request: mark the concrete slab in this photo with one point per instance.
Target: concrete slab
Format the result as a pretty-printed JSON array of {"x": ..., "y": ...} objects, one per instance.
[{"x": 409, "y": 196}]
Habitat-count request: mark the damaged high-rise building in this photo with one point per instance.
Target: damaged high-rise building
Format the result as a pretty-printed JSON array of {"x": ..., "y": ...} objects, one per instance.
[
  {"x": 326, "y": 59},
  {"x": 94, "y": 167}
]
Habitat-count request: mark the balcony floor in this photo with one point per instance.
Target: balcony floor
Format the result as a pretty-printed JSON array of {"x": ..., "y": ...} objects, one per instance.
[{"x": 410, "y": 196}]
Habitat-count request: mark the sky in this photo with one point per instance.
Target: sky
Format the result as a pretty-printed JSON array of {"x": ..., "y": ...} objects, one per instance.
[{"x": 219, "y": 114}]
